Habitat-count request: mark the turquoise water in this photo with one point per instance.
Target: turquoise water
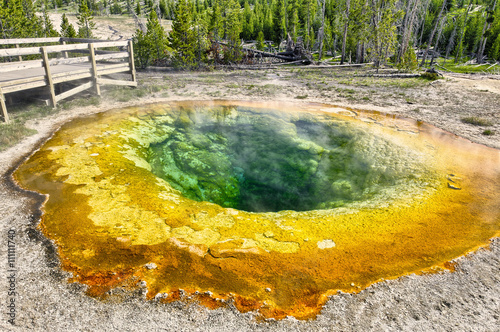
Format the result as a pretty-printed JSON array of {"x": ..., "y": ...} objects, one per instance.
[{"x": 265, "y": 161}]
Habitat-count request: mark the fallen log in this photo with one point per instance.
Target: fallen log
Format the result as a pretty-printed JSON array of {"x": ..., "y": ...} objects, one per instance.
[
  {"x": 443, "y": 68},
  {"x": 493, "y": 65},
  {"x": 292, "y": 54}
]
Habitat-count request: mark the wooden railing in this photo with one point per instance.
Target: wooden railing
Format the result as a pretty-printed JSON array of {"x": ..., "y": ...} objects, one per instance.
[{"x": 18, "y": 74}]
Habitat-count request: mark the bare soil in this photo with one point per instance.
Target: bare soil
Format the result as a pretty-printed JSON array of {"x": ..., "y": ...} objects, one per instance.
[
  {"x": 464, "y": 300},
  {"x": 113, "y": 27}
]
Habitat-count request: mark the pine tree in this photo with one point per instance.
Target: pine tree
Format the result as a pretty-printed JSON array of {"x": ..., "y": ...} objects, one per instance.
[
  {"x": 156, "y": 36},
  {"x": 67, "y": 29},
  {"x": 308, "y": 13},
  {"x": 384, "y": 35},
  {"x": 408, "y": 61},
  {"x": 19, "y": 20},
  {"x": 116, "y": 9},
  {"x": 182, "y": 39},
  {"x": 321, "y": 32},
  {"x": 152, "y": 46},
  {"x": 279, "y": 21},
  {"x": 164, "y": 10},
  {"x": 248, "y": 22},
  {"x": 294, "y": 24},
  {"x": 201, "y": 32},
  {"x": 258, "y": 14},
  {"x": 494, "y": 53},
  {"x": 462, "y": 32},
  {"x": 485, "y": 34},
  {"x": 215, "y": 30},
  {"x": 85, "y": 21},
  {"x": 260, "y": 41},
  {"x": 138, "y": 9},
  {"x": 13, "y": 20},
  {"x": 49, "y": 30},
  {"x": 408, "y": 26},
  {"x": 215, "y": 23},
  {"x": 232, "y": 29},
  {"x": 347, "y": 12},
  {"x": 142, "y": 49},
  {"x": 267, "y": 25},
  {"x": 494, "y": 47}
]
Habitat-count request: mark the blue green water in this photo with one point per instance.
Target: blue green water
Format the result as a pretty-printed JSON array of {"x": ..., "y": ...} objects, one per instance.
[{"x": 263, "y": 161}]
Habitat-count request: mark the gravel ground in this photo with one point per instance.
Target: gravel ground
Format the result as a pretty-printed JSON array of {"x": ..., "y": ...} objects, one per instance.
[{"x": 464, "y": 300}]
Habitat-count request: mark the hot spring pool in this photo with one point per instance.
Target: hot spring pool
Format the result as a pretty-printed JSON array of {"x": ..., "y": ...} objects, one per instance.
[{"x": 272, "y": 207}]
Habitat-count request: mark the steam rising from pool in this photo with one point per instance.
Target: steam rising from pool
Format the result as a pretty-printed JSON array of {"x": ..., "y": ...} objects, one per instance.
[
  {"x": 270, "y": 207},
  {"x": 269, "y": 161}
]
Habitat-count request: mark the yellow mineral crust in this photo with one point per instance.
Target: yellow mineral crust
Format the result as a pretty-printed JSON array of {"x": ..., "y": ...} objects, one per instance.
[{"x": 110, "y": 216}]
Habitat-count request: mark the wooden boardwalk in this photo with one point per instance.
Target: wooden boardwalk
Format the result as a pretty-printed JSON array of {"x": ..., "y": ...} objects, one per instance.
[{"x": 55, "y": 66}]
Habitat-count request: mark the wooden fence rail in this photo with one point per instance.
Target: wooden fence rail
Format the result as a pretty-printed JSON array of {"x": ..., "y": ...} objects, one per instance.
[{"x": 19, "y": 75}]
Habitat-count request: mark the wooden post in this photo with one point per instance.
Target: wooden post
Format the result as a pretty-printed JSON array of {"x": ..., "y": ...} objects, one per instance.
[
  {"x": 94, "y": 69},
  {"x": 4, "y": 107},
  {"x": 65, "y": 53},
  {"x": 48, "y": 76},
  {"x": 131, "y": 60},
  {"x": 20, "y": 58}
]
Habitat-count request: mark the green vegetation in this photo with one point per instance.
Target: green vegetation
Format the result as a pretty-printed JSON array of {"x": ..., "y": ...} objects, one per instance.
[
  {"x": 476, "y": 121},
  {"x": 430, "y": 76},
  {"x": 206, "y": 32},
  {"x": 488, "y": 132},
  {"x": 150, "y": 47},
  {"x": 182, "y": 38},
  {"x": 85, "y": 23},
  {"x": 408, "y": 62},
  {"x": 471, "y": 68},
  {"x": 67, "y": 30},
  {"x": 13, "y": 133},
  {"x": 344, "y": 84}
]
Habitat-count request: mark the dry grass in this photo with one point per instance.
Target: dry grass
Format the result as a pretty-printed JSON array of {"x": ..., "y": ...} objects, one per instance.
[{"x": 477, "y": 121}]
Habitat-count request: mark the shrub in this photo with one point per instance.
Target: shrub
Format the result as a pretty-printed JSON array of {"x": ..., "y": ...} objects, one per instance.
[
  {"x": 488, "y": 132},
  {"x": 476, "y": 121},
  {"x": 408, "y": 63},
  {"x": 430, "y": 76}
]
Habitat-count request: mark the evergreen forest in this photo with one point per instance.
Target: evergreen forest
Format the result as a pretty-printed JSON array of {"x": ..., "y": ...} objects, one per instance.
[{"x": 204, "y": 32}]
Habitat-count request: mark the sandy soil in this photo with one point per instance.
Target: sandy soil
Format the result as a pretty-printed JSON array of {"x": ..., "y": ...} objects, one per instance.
[
  {"x": 111, "y": 27},
  {"x": 465, "y": 300}
]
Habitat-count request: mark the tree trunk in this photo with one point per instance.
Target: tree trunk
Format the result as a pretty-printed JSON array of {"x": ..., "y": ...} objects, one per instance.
[
  {"x": 334, "y": 48},
  {"x": 433, "y": 33},
  {"x": 450, "y": 43},
  {"x": 481, "y": 40},
  {"x": 462, "y": 32},
  {"x": 423, "y": 22},
  {"x": 308, "y": 44},
  {"x": 346, "y": 25},
  {"x": 362, "y": 53},
  {"x": 486, "y": 27},
  {"x": 437, "y": 40},
  {"x": 407, "y": 28},
  {"x": 3, "y": 31},
  {"x": 322, "y": 30},
  {"x": 136, "y": 18},
  {"x": 158, "y": 10}
]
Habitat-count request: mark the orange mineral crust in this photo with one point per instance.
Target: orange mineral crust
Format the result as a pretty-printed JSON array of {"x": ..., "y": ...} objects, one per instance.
[{"x": 270, "y": 207}]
